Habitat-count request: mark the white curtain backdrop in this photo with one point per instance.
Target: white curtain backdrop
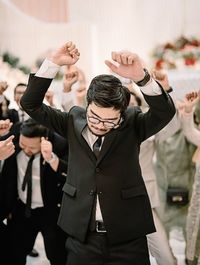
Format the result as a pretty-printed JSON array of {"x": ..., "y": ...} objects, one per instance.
[
  {"x": 45, "y": 10},
  {"x": 98, "y": 27}
]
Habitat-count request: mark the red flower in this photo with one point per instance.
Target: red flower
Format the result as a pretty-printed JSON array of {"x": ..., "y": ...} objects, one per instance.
[{"x": 190, "y": 61}]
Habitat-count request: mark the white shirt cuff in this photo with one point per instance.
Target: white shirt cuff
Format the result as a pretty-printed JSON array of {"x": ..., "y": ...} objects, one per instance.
[
  {"x": 1, "y": 98},
  {"x": 151, "y": 88},
  {"x": 48, "y": 69}
]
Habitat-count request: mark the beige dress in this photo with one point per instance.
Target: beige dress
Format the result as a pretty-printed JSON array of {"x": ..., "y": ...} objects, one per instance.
[{"x": 193, "y": 218}]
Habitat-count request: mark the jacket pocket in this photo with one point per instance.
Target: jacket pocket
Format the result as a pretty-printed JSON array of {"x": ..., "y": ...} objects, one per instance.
[
  {"x": 133, "y": 192},
  {"x": 69, "y": 189}
]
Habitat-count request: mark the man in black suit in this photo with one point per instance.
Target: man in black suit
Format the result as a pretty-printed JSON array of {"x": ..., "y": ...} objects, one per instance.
[
  {"x": 105, "y": 207},
  {"x": 7, "y": 148},
  {"x": 33, "y": 209},
  {"x": 14, "y": 115}
]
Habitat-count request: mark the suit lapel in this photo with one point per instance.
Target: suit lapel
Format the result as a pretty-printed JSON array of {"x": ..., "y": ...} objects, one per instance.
[
  {"x": 42, "y": 169},
  {"x": 80, "y": 125},
  {"x": 109, "y": 140},
  {"x": 106, "y": 147}
]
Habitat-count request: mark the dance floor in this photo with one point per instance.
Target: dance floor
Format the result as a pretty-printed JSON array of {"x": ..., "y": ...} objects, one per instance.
[{"x": 176, "y": 241}]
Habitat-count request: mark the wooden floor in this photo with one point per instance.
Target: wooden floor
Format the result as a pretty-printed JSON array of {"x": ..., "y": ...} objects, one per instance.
[{"x": 176, "y": 241}]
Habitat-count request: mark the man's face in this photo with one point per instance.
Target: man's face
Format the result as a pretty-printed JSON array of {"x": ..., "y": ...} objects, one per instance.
[
  {"x": 30, "y": 146},
  {"x": 102, "y": 120},
  {"x": 19, "y": 93}
]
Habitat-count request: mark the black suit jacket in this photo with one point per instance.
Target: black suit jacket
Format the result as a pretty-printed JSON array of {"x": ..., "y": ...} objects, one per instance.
[
  {"x": 51, "y": 182},
  {"x": 115, "y": 176},
  {"x": 11, "y": 114}
]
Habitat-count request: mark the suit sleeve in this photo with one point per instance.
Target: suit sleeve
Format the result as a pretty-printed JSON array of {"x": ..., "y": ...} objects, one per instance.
[
  {"x": 60, "y": 148},
  {"x": 161, "y": 111},
  {"x": 32, "y": 103}
]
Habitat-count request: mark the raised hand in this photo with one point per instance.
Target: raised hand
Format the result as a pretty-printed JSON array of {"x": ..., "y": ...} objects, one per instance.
[
  {"x": 5, "y": 126},
  {"x": 129, "y": 65},
  {"x": 3, "y": 87},
  {"x": 46, "y": 149},
  {"x": 48, "y": 155},
  {"x": 69, "y": 79},
  {"x": 191, "y": 99},
  {"x": 162, "y": 78},
  {"x": 67, "y": 54},
  {"x": 7, "y": 148},
  {"x": 189, "y": 102}
]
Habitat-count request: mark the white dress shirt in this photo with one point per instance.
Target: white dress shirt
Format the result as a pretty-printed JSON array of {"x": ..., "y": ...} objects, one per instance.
[{"x": 22, "y": 162}]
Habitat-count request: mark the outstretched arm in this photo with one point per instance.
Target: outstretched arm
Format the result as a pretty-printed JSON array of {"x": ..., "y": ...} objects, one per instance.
[
  {"x": 32, "y": 100},
  {"x": 161, "y": 107},
  {"x": 186, "y": 109}
]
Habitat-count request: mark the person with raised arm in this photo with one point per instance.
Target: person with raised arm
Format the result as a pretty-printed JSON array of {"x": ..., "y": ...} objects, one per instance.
[{"x": 105, "y": 208}]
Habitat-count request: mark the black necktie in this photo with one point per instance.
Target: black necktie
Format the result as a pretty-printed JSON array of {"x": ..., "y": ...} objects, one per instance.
[
  {"x": 96, "y": 146},
  {"x": 96, "y": 150},
  {"x": 22, "y": 116},
  {"x": 28, "y": 181}
]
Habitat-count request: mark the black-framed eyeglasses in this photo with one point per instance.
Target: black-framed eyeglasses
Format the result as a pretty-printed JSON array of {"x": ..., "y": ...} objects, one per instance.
[{"x": 106, "y": 124}]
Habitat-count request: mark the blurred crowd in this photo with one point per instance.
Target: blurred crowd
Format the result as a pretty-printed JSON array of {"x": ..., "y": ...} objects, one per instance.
[{"x": 170, "y": 163}]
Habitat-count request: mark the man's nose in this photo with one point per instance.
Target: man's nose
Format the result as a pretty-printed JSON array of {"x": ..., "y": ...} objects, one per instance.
[
  {"x": 27, "y": 150},
  {"x": 101, "y": 125}
]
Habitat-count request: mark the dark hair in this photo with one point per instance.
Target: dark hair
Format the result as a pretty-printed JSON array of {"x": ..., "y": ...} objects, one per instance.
[
  {"x": 138, "y": 99},
  {"x": 30, "y": 128},
  {"x": 19, "y": 84},
  {"x": 107, "y": 91}
]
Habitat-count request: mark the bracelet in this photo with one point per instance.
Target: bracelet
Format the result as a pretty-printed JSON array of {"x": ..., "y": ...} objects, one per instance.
[
  {"x": 145, "y": 80},
  {"x": 169, "y": 90},
  {"x": 52, "y": 159}
]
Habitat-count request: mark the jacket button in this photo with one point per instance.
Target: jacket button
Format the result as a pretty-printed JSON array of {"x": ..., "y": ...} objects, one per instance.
[
  {"x": 100, "y": 193},
  {"x": 92, "y": 192}
]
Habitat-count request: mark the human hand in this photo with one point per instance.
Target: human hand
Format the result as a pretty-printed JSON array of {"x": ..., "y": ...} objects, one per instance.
[
  {"x": 80, "y": 94},
  {"x": 3, "y": 87},
  {"x": 189, "y": 102},
  {"x": 129, "y": 65},
  {"x": 67, "y": 54},
  {"x": 5, "y": 126},
  {"x": 7, "y": 147},
  {"x": 162, "y": 78},
  {"x": 68, "y": 80},
  {"x": 46, "y": 149},
  {"x": 49, "y": 97}
]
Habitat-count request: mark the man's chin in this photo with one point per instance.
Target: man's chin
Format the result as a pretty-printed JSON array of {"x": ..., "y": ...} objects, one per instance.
[{"x": 98, "y": 132}]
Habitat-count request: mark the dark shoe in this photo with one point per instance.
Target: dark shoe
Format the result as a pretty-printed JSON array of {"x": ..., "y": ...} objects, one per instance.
[{"x": 33, "y": 253}]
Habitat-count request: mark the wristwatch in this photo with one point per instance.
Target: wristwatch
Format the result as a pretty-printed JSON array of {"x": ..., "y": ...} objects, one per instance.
[
  {"x": 145, "y": 80},
  {"x": 52, "y": 159}
]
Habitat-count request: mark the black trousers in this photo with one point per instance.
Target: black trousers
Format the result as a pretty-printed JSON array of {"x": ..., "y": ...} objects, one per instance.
[
  {"x": 97, "y": 251},
  {"x": 23, "y": 232},
  {"x": 5, "y": 249}
]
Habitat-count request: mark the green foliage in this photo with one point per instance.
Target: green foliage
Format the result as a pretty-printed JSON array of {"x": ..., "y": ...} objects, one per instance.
[{"x": 14, "y": 62}]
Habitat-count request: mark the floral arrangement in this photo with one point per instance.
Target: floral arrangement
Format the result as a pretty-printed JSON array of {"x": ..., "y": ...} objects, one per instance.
[
  {"x": 14, "y": 62},
  {"x": 182, "y": 53}
]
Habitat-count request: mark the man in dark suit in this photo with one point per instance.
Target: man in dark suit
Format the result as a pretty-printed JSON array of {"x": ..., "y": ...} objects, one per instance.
[
  {"x": 47, "y": 175},
  {"x": 105, "y": 208},
  {"x": 14, "y": 115},
  {"x": 7, "y": 148}
]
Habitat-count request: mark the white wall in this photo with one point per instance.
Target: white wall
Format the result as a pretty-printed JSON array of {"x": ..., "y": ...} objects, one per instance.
[
  {"x": 138, "y": 25},
  {"x": 98, "y": 27},
  {"x": 28, "y": 38}
]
